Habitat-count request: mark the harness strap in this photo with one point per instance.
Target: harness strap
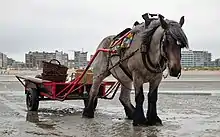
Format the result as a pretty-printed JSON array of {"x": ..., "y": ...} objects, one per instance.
[
  {"x": 150, "y": 66},
  {"x": 125, "y": 71},
  {"x": 145, "y": 63},
  {"x": 122, "y": 67}
]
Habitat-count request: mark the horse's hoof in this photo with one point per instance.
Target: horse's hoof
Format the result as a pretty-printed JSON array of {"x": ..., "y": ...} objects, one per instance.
[
  {"x": 155, "y": 122},
  {"x": 150, "y": 123},
  {"x": 129, "y": 118},
  {"x": 140, "y": 123},
  {"x": 88, "y": 114}
]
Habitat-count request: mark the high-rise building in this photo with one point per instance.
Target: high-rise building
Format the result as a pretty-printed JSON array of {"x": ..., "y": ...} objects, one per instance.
[
  {"x": 80, "y": 59},
  {"x": 3, "y": 60}
]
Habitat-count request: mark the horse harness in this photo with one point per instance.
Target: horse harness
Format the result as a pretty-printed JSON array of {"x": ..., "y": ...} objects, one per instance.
[{"x": 159, "y": 68}]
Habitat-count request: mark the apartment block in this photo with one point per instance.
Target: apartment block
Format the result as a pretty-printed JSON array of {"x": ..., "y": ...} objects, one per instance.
[
  {"x": 34, "y": 59},
  {"x": 80, "y": 59},
  {"x": 191, "y": 58}
]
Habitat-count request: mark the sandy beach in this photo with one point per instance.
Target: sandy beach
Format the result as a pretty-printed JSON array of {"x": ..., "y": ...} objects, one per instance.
[{"x": 183, "y": 115}]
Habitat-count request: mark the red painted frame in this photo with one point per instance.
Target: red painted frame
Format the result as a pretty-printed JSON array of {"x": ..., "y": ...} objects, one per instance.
[{"x": 51, "y": 87}]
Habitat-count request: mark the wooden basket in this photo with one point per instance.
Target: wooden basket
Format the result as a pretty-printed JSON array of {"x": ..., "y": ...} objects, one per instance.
[{"x": 52, "y": 68}]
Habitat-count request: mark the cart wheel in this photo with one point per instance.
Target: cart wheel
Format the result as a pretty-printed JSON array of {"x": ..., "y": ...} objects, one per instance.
[
  {"x": 32, "y": 100},
  {"x": 86, "y": 101}
]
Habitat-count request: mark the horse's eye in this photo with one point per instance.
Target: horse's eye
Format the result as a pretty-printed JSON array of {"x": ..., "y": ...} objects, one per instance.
[{"x": 178, "y": 43}]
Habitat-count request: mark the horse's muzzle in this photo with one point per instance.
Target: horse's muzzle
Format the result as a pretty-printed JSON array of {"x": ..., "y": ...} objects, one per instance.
[{"x": 174, "y": 72}]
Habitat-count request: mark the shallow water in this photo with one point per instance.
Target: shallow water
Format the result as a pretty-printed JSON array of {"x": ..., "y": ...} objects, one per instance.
[{"x": 182, "y": 115}]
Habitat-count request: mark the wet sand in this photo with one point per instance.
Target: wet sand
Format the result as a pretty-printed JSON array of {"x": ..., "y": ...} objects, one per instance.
[{"x": 182, "y": 115}]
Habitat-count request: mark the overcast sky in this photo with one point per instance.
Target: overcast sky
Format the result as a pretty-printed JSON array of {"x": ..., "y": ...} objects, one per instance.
[{"x": 49, "y": 25}]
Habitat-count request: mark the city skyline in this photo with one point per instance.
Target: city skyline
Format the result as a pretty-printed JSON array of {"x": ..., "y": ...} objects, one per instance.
[
  {"x": 33, "y": 59},
  {"x": 62, "y": 25},
  {"x": 71, "y": 53}
]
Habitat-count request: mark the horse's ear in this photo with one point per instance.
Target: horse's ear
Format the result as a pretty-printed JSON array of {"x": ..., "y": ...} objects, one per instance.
[
  {"x": 136, "y": 23},
  {"x": 163, "y": 22},
  {"x": 145, "y": 16},
  {"x": 182, "y": 20}
]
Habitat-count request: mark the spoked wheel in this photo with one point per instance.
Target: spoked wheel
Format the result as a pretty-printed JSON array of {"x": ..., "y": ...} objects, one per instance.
[
  {"x": 32, "y": 100},
  {"x": 86, "y": 101}
]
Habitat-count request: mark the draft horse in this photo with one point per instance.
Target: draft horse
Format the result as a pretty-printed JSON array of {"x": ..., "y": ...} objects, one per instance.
[{"x": 147, "y": 64}]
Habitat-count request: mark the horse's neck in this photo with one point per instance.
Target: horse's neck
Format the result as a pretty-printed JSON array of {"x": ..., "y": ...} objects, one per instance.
[{"x": 154, "y": 51}]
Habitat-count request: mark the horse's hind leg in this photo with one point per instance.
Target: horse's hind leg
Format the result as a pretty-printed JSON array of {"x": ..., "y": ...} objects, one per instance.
[
  {"x": 89, "y": 110},
  {"x": 126, "y": 101},
  {"x": 100, "y": 72}
]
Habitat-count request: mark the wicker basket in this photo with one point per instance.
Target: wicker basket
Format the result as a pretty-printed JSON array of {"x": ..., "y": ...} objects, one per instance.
[
  {"x": 54, "y": 77},
  {"x": 52, "y": 68},
  {"x": 54, "y": 72}
]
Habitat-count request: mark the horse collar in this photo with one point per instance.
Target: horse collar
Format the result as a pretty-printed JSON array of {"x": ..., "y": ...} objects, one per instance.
[{"x": 161, "y": 66}]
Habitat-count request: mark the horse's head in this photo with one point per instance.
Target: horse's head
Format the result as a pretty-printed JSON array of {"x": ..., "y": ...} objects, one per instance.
[{"x": 174, "y": 39}]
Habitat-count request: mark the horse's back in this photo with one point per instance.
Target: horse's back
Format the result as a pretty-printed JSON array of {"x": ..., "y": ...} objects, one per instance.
[
  {"x": 101, "y": 60},
  {"x": 106, "y": 41}
]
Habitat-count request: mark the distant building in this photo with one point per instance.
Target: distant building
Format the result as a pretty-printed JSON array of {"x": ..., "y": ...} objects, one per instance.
[
  {"x": 187, "y": 58},
  {"x": 196, "y": 58},
  {"x": 3, "y": 60},
  {"x": 58, "y": 56},
  {"x": 202, "y": 58},
  {"x": 217, "y": 62},
  {"x": 18, "y": 64},
  {"x": 91, "y": 56},
  {"x": 62, "y": 57},
  {"x": 80, "y": 59},
  {"x": 70, "y": 63},
  {"x": 212, "y": 64},
  {"x": 34, "y": 59},
  {"x": 10, "y": 61},
  {"x": 30, "y": 60}
]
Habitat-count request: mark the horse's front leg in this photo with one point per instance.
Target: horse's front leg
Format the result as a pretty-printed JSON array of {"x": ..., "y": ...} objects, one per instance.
[
  {"x": 152, "y": 117},
  {"x": 138, "y": 117}
]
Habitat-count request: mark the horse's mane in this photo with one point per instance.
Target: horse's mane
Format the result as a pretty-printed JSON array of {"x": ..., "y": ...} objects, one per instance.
[
  {"x": 174, "y": 29},
  {"x": 178, "y": 34}
]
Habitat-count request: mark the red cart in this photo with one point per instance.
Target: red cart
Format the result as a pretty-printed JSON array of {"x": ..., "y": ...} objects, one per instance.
[{"x": 37, "y": 89}]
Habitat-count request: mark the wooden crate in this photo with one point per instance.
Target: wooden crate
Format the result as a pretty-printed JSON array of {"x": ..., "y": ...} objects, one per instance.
[{"x": 87, "y": 78}]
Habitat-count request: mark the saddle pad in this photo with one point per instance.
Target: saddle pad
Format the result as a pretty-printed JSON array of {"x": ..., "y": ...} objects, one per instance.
[{"x": 122, "y": 43}]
